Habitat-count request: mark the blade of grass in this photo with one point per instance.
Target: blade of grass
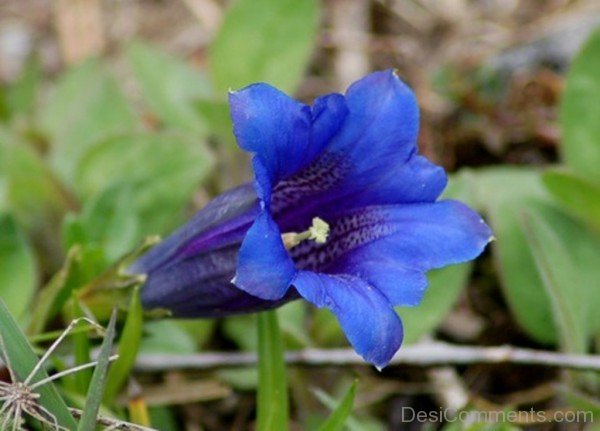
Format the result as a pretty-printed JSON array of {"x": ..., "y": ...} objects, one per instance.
[
  {"x": 127, "y": 350},
  {"x": 339, "y": 416},
  {"x": 82, "y": 349},
  {"x": 96, "y": 387},
  {"x": 22, "y": 359},
  {"x": 272, "y": 409}
]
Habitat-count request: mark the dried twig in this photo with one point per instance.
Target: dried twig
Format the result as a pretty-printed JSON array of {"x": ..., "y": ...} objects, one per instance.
[
  {"x": 421, "y": 355},
  {"x": 113, "y": 424}
]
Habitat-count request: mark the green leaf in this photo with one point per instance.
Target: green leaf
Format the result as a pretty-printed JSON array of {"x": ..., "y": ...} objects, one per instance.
[
  {"x": 129, "y": 345},
  {"x": 578, "y": 195},
  {"x": 3, "y": 193},
  {"x": 200, "y": 330},
  {"x": 166, "y": 336},
  {"x": 96, "y": 388},
  {"x": 566, "y": 255},
  {"x": 445, "y": 286},
  {"x": 38, "y": 200},
  {"x": 264, "y": 40},
  {"x": 18, "y": 269},
  {"x": 503, "y": 194},
  {"x": 338, "y": 418},
  {"x": 109, "y": 221},
  {"x": 80, "y": 266},
  {"x": 325, "y": 329},
  {"x": 218, "y": 116},
  {"x": 580, "y": 110},
  {"x": 236, "y": 329},
  {"x": 18, "y": 354},
  {"x": 272, "y": 403},
  {"x": 163, "y": 171},
  {"x": 23, "y": 94},
  {"x": 170, "y": 86},
  {"x": 86, "y": 107},
  {"x": 293, "y": 318}
]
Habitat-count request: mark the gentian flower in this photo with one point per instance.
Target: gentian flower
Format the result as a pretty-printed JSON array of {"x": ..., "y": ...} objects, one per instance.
[{"x": 343, "y": 212}]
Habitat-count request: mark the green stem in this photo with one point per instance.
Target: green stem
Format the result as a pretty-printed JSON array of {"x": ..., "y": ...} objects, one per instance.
[{"x": 272, "y": 409}]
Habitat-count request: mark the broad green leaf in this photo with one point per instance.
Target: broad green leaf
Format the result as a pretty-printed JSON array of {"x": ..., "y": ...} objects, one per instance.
[
  {"x": 264, "y": 40},
  {"x": 18, "y": 269},
  {"x": 272, "y": 403},
  {"x": 38, "y": 200},
  {"x": 3, "y": 193},
  {"x": 243, "y": 379},
  {"x": 129, "y": 345},
  {"x": 325, "y": 329},
  {"x": 23, "y": 93},
  {"x": 199, "y": 330},
  {"x": 566, "y": 255},
  {"x": 340, "y": 415},
  {"x": 166, "y": 336},
  {"x": 86, "y": 107},
  {"x": 18, "y": 354},
  {"x": 163, "y": 171},
  {"x": 578, "y": 195},
  {"x": 4, "y": 104},
  {"x": 218, "y": 116},
  {"x": 96, "y": 388},
  {"x": 445, "y": 286},
  {"x": 170, "y": 86},
  {"x": 109, "y": 221},
  {"x": 580, "y": 110},
  {"x": 504, "y": 194},
  {"x": 236, "y": 328}
]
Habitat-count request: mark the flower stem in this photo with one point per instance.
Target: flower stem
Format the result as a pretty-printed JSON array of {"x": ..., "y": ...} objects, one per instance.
[{"x": 272, "y": 409}]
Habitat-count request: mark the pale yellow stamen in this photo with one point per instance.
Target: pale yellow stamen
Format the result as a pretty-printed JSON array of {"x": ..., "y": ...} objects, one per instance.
[{"x": 318, "y": 232}]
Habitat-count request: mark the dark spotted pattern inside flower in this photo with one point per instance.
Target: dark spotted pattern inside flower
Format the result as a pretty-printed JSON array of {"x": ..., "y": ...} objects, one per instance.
[
  {"x": 347, "y": 233},
  {"x": 297, "y": 199}
]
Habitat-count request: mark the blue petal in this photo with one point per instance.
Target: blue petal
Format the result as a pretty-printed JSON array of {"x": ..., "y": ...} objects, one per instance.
[
  {"x": 383, "y": 121},
  {"x": 371, "y": 160},
  {"x": 328, "y": 114},
  {"x": 391, "y": 247},
  {"x": 264, "y": 267},
  {"x": 401, "y": 286},
  {"x": 365, "y": 315},
  {"x": 224, "y": 220},
  {"x": 277, "y": 129}
]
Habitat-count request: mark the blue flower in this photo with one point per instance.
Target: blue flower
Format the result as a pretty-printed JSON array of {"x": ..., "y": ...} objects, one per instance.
[{"x": 348, "y": 160}]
